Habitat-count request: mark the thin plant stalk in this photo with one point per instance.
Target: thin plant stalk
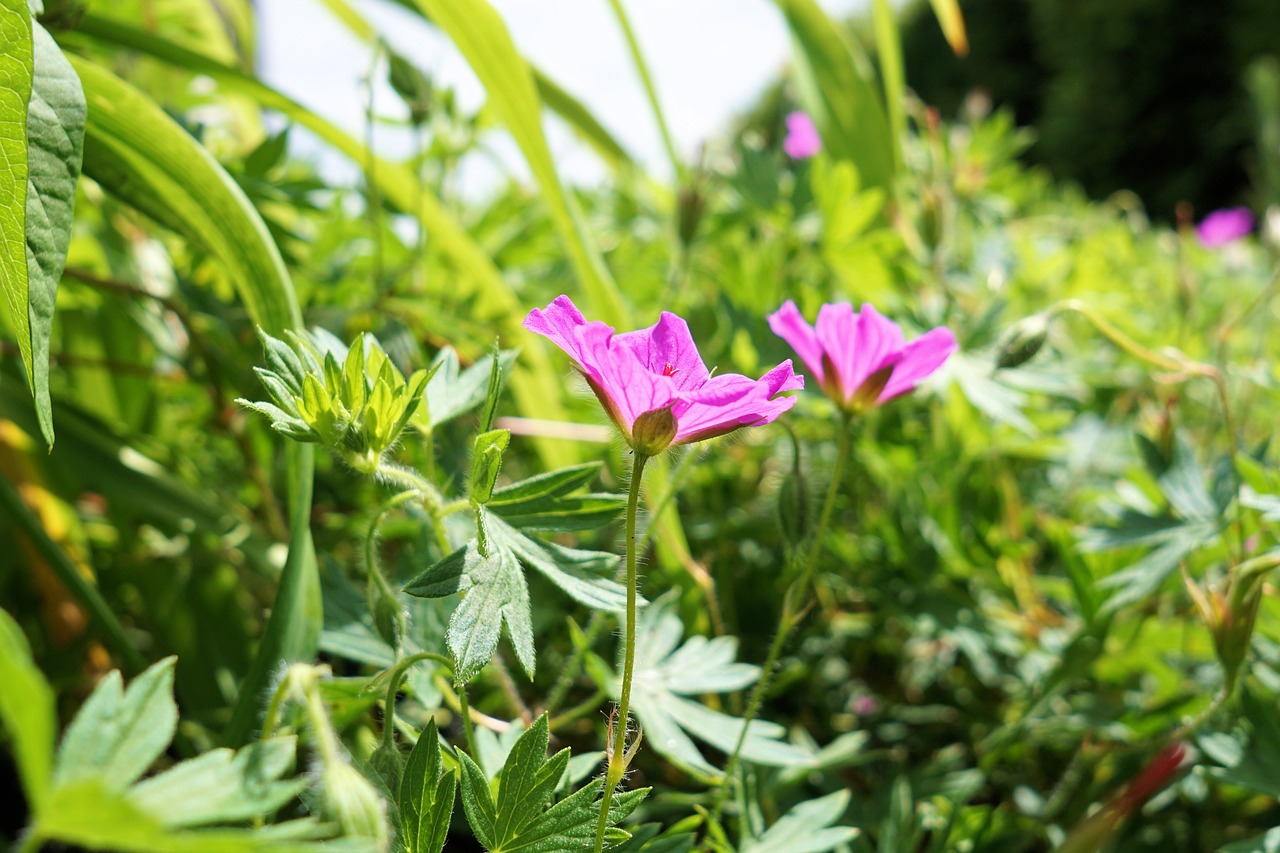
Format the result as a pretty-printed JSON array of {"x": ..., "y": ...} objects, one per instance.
[
  {"x": 794, "y": 605},
  {"x": 618, "y": 755},
  {"x": 642, "y": 69}
]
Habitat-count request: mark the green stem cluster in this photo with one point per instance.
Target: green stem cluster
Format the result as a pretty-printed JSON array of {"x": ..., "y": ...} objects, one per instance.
[
  {"x": 794, "y": 605},
  {"x": 619, "y": 756}
]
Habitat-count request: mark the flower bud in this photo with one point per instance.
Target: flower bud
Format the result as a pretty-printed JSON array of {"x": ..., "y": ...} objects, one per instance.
[
  {"x": 352, "y": 800},
  {"x": 653, "y": 431},
  {"x": 1020, "y": 343},
  {"x": 691, "y": 204}
]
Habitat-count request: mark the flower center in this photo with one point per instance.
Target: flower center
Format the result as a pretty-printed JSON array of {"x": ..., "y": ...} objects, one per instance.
[{"x": 668, "y": 370}]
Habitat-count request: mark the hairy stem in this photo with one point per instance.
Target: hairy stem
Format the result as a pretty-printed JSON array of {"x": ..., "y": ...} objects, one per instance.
[{"x": 617, "y": 754}]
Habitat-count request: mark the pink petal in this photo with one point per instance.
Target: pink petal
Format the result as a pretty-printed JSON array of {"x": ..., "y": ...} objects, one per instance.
[
  {"x": 731, "y": 401},
  {"x": 614, "y": 371},
  {"x": 558, "y": 322},
  {"x": 920, "y": 359},
  {"x": 802, "y": 137},
  {"x": 667, "y": 348},
  {"x": 789, "y": 324}
]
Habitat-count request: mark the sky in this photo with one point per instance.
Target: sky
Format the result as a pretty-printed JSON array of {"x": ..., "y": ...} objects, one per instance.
[{"x": 709, "y": 60}]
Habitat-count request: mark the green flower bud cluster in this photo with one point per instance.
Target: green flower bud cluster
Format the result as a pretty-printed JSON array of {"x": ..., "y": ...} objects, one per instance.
[{"x": 354, "y": 402}]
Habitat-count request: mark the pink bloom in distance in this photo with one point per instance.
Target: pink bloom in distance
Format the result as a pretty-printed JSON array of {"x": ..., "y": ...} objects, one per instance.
[
  {"x": 653, "y": 384},
  {"x": 861, "y": 359},
  {"x": 1224, "y": 226},
  {"x": 802, "y": 140}
]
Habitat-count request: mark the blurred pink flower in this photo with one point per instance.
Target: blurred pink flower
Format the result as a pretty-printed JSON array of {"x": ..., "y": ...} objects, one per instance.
[
  {"x": 802, "y": 140},
  {"x": 653, "y": 384},
  {"x": 1225, "y": 226},
  {"x": 861, "y": 359}
]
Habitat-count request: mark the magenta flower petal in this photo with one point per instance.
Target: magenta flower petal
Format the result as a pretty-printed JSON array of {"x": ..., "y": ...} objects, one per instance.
[
  {"x": 659, "y": 368},
  {"x": 790, "y": 325},
  {"x": 802, "y": 139},
  {"x": 1225, "y": 226},
  {"x": 667, "y": 347},
  {"x": 920, "y": 359},
  {"x": 861, "y": 357}
]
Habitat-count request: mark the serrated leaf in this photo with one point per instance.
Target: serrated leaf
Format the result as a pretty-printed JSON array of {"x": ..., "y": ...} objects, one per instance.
[
  {"x": 222, "y": 786},
  {"x": 806, "y": 828},
  {"x": 518, "y": 817},
  {"x": 496, "y": 595},
  {"x": 117, "y": 735},
  {"x": 27, "y": 711},
  {"x": 545, "y": 503},
  {"x": 648, "y": 838},
  {"x": 665, "y": 670},
  {"x": 55, "y": 142},
  {"x": 453, "y": 392},
  {"x": 426, "y": 796}
]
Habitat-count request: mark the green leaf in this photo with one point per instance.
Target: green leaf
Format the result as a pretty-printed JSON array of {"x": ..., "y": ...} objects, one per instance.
[
  {"x": 544, "y": 502},
  {"x": 17, "y": 68},
  {"x": 142, "y": 156},
  {"x": 585, "y": 575},
  {"x": 517, "y": 819},
  {"x": 1252, "y": 764},
  {"x": 27, "y": 711},
  {"x": 479, "y": 33},
  {"x": 452, "y": 392},
  {"x": 838, "y": 91},
  {"x": 222, "y": 786},
  {"x": 426, "y": 796},
  {"x": 94, "y": 816},
  {"x": 806, "y": 828},
  {"x": 496, "y": 594},
  {"x": 487, "y": 462},
  {"x": 540, "y": 391},
  {"x": 1268, "y": 842},
  {"x": 55, "y": 140},
  {"x": 665, "y": 672},
  {"x": 892, "y": 75},
  {"x": 117, "y": 735}
]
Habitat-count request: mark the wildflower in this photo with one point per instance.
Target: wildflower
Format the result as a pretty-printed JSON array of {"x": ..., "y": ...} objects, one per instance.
[
  {"x": 861, "y": 360},
  {"x": 802, "y": 140},
  {"x": 1224, "y": 226},
  {"x": 653, "y": 384}
]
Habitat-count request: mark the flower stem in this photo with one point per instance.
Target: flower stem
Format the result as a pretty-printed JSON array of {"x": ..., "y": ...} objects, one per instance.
[
  {"x": 464, "y": 710},
  {"x": 618, "y": 759},
  {"x": 793, "y": 608}
]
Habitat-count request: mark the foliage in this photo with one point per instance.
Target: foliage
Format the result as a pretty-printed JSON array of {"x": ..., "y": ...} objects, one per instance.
[{"x": 300, "y": 494}]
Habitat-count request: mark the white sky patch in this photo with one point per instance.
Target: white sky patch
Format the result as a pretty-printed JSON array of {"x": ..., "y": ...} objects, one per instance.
[{"x": 709, "y": 60}]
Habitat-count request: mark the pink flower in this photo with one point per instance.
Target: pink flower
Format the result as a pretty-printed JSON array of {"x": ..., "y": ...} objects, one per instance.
[
  {"x": 653, "y": 384},
  {"x": 1224, "y": 226},
  {"x": 861, "y": 359},
  {"x": 802, "y": 140}
]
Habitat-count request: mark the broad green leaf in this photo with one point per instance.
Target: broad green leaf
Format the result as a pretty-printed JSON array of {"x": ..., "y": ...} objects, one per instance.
[
  {"x": 94, "y": 816},
  {"x": 839, "y": 93},
  {"x": 27, "y": 711},
  {"x": 540, "y": 391},
  {"x": 426, "y": 796},
  {"x": 545, "y": 502},
  {"x": 480, "y": 34},
  {"x": 517, "y": 819},
  {"x": 1268, "y": 842},
  {"x": 118, "y": 734},
  {"x": 806, "y": 828},
  {"x": 142, "y": 156},
  {"x": 17, "y": 67},
  {"x": 55, "y": 139},
  {"x": 648, "y": 838},
  {"x": 496, "y": 595},
  {"x": 666, "y": 671},
  {"x": 222, "y": 786},
  {"x": 453, "y": 391}
]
